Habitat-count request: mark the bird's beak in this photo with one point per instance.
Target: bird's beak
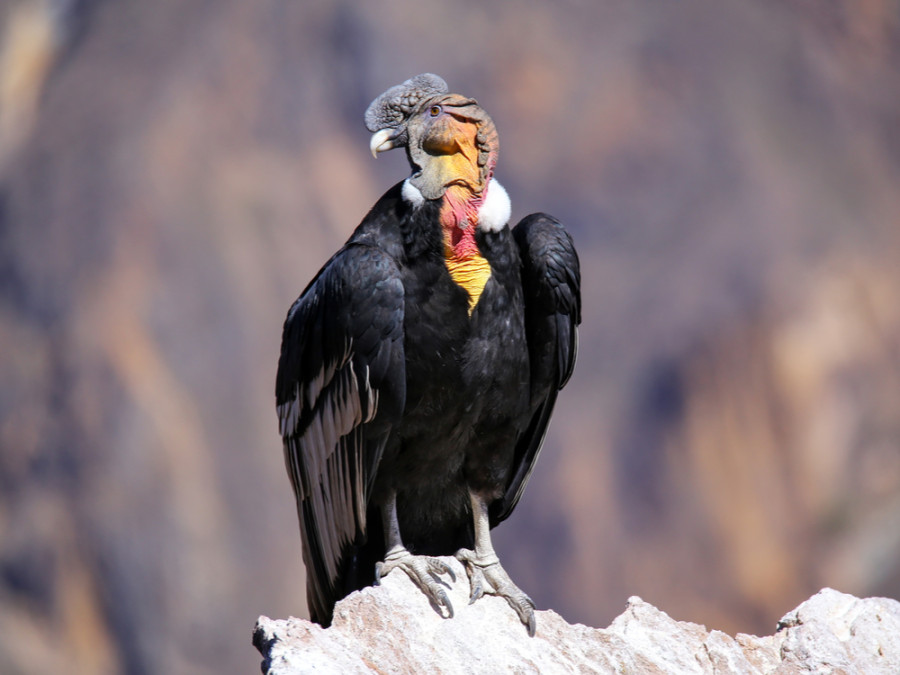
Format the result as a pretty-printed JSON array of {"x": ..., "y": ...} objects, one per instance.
[{"x": 382, "y": 140}]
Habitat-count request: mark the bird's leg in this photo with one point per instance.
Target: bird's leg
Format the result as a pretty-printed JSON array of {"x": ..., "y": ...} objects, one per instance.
[
  {"x": 424, "y": 570},
  {"x": 486, "y": 575}
]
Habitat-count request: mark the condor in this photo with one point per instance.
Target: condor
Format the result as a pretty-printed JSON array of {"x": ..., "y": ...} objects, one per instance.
[{"x": 420, "y": 366}]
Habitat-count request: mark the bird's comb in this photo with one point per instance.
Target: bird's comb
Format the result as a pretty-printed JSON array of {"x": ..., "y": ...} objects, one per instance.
[{"x": 397, "y": 103}]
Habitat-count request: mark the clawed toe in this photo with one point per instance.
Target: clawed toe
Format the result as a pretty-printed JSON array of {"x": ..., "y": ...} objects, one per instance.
[
  {"x": 486, "y": 575},
  {"x": 438, "y": 567},
  {"x": 524, "y": 607},
  {"x": 425, "y": 572}
]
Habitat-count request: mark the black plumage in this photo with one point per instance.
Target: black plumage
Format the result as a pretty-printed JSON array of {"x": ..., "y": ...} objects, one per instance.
[{"x": 404, "y": 403}]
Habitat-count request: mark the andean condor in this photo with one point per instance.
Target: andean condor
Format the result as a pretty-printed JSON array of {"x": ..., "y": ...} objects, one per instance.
[{"x": 420, "y": 366}]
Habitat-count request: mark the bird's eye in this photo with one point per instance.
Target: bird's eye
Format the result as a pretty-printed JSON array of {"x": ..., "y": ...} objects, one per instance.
[{"x": 435, "y": 110}]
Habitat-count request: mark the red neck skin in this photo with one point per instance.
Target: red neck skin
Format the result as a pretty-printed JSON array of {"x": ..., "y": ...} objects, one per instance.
[{"x": 459, "y": 218}]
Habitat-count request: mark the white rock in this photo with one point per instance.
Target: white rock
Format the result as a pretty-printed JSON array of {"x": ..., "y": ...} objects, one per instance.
[{"x": 393, "y": 629}]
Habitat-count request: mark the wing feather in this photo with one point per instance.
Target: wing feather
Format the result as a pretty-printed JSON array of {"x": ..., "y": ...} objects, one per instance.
[
  {"x": 551, "y": 283},
  {"x": 335, "y": 410}
]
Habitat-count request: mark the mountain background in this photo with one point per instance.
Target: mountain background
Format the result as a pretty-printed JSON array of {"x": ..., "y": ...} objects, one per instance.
[{"x": 173, "y": 173}]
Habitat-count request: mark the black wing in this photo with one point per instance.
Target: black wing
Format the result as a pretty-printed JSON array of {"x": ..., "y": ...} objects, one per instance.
[
  {"x": 341, "y": 385},
  {"x": 551, "y": 281}
]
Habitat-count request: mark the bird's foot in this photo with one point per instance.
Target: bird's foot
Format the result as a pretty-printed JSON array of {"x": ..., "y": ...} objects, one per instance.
[
  {"x": 425, "y": 573},
  {"x": 486, "y": 575}
]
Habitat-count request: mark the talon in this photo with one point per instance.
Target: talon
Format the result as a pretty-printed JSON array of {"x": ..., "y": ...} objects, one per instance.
[
  {"x": 486, "y": 575},
  {"x": 524, "y": 607},
  {"x": 526, "y": 616},
  {"x": 423, "y": 571},
  {"x": 438, "y": 567},
  {"x": 477, "y": 592},
  {"x": 445, "y": 601}
]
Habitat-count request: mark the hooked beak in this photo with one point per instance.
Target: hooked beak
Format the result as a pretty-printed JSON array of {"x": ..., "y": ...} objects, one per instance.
[{"x": 382, "y": 141}]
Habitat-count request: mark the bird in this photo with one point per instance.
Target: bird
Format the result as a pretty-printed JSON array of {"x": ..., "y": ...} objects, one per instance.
[{"x": 420, "y": 366}]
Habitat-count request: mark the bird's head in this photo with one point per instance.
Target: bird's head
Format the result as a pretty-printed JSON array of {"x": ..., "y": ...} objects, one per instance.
[{"x": 449, "y": 139}]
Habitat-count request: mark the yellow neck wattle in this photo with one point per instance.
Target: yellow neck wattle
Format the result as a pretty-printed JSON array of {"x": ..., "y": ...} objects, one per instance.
[
  {"x": 459, "y": 217},
  {"x": 472, "y": 273}
]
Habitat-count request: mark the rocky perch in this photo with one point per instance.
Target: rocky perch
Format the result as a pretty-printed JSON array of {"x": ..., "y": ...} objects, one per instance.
[{"x": 392, "y": 629}]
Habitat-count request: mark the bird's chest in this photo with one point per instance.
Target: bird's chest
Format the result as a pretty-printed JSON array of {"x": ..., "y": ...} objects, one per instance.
[
  {"x": 436, "y": 328},
  {"x": 460, "y": 354}
]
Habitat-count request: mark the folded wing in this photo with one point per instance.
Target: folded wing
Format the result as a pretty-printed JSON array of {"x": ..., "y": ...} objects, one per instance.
[
  {"x": 551, "y": 280},
  {"x": 339, "y": 390}
]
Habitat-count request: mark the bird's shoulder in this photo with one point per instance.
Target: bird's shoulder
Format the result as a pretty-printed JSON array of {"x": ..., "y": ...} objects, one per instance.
[
  {"x": 383, "y": 226},
  {"x": 359, "y": 281},
  {"x": 551, "y": 266},
  {"x": 374, "y": 250},
  {"x": 356, "y": 298}
]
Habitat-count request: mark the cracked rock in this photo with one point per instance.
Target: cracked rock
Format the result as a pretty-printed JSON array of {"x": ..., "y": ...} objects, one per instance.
[{"x": 393, "y": 629}]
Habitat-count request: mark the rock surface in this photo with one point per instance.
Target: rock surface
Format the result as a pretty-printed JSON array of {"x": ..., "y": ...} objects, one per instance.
[{"x": 391, "y": 629}]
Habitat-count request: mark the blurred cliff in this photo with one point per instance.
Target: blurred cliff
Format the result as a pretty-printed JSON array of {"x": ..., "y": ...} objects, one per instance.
[{"x": 173, "y": 173}]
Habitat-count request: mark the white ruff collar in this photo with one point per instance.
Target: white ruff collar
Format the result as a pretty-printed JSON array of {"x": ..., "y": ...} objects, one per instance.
[{"x": 493, "y": 214}]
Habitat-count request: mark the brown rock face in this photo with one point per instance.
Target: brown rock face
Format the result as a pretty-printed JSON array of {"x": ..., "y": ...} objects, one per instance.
[{"x": 172, "y": 174}]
